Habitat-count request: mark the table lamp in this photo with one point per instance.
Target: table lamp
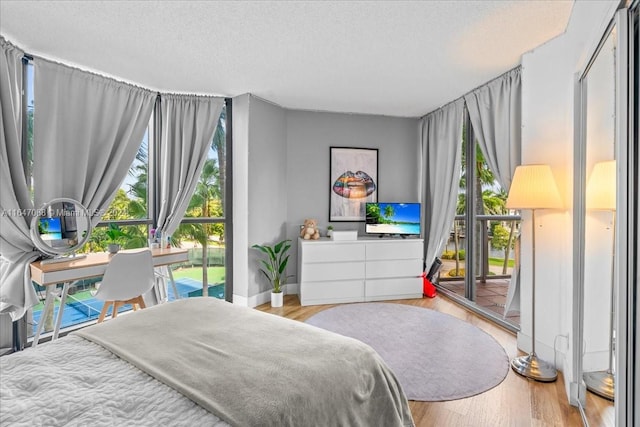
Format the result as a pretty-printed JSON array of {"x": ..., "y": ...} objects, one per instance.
[
  {"x": 533, "y": 187},
  {"x": 601, "y": 195}
]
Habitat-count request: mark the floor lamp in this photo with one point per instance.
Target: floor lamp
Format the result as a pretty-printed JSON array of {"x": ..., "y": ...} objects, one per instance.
[
  {"x": 533, "y": 187},
  {"x": 601, "y": 195}
]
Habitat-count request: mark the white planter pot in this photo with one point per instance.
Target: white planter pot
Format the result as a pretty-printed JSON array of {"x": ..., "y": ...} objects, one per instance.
[
  {"x": 276, "y": 299},
  {"x": 113, "y": 248}
]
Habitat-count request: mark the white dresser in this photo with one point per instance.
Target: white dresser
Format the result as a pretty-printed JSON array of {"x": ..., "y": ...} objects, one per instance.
[{"x": 367, "y": 269}]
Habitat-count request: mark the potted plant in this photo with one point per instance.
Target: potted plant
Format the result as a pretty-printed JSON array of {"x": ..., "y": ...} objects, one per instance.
[
  {"x": 115, "y": 236},
  {"x": 274, "y": 266},
  {"x": 329, "y": 230}
]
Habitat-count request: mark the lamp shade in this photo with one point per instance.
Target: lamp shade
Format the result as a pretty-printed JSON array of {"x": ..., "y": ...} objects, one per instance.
[
  {"x": 601, "y": 187},
  {"x": 533, "y": 187}
]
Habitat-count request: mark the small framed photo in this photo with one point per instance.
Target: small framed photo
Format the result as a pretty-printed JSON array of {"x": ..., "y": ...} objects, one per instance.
[{"x": 353, "y": 182}]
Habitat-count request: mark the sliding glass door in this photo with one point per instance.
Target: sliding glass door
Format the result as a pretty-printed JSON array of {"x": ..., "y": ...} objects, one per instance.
[{"x": 480, "y": 256}]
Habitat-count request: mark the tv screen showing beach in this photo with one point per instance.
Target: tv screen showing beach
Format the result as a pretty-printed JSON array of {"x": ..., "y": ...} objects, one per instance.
[
  {"x": 50, "y": 228},
  {"x": 393, "y": 218}
]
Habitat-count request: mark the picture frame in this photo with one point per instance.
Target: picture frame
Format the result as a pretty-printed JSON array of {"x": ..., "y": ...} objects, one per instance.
[{"x": 353, "y": 181}]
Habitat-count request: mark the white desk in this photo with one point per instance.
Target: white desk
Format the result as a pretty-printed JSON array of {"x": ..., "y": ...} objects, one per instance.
[{"x": 93, "y": 265}]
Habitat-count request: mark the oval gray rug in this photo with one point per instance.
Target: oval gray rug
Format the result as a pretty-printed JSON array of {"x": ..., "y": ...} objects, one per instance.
[{"x": 435, "y": 356}]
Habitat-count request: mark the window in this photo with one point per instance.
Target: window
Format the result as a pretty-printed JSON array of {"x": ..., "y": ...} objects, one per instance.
[
  {"x": 129, "y": 210},
  {"x": 27, "y": 131},
  {"x": 204, "y": 229}
]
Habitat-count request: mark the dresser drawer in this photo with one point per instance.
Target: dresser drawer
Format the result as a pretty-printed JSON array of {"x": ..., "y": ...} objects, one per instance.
[
  {"x": 395, "y": 268},
  {"x": 380, "y": 289},
  {"x": 331, "y": 292},
  {"x": 401, "y": 249},
  {"x": 317, "y": 272},
  {"x": 337, "y": 252}
]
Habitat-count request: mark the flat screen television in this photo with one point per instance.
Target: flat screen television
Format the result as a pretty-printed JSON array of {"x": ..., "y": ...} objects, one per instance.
[{"x": 393, "y": 218}]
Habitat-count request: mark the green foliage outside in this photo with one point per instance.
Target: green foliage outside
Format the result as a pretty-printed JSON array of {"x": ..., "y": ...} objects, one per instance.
[
  {"x": 492, "y": 261},
  {"x": 497, "y": 262},
  {"x": 115, "y": 234},
  {"x": 489, "y": 200},
  {"x": 456, "y": 272},
  {"x": 215, "y": 274},
  {"x": 452, "y": 255},
  {"x": 501, "y": 237}
]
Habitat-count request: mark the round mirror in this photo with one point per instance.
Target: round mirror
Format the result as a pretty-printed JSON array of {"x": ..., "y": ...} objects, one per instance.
[{"x": 60, "y": 227}]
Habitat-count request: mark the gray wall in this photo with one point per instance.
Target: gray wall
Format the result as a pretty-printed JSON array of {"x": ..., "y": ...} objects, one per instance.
[
  {"x": 309, "y": 136},
  {"x": 281, "y": 175},
  {"x": 267, "y": 192}
]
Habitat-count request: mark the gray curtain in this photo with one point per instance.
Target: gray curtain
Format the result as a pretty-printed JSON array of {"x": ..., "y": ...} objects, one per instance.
[
  {"x": 188, "y": 125},
  {"x": 16, "y": 291},
  {"x": 441, "y": 145},
  {"x": 87, "y": 131},
  {"x": 495, "y": 111}
]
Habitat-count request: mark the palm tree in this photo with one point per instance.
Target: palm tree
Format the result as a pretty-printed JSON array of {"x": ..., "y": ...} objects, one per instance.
[
  {"x": 205, "y": 192},
  {"x": 138, "y": 191},
  {"x": 484, "y": 178},
  {"x": 494, "y": 203},
  {"x": 219, "y": 145}
]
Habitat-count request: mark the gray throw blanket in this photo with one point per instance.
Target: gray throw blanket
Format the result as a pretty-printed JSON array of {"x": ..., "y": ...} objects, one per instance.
[{"x": 256, "y": 369}]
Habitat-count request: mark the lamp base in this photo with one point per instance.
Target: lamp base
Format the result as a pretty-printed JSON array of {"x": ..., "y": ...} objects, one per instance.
[
  {"x": 600, "y": 383},
  {"x": 531, "y": 367}
]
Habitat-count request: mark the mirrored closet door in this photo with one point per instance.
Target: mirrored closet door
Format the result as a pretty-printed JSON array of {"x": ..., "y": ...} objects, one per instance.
[{"x": 598, "y": 177}]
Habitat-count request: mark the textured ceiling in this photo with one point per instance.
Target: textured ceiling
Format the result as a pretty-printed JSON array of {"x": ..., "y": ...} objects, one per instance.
[{"x": 398, "y": 58}]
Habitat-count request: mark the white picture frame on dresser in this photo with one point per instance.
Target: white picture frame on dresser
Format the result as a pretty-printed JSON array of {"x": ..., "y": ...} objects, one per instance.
[{"x": 366, "y": 269}]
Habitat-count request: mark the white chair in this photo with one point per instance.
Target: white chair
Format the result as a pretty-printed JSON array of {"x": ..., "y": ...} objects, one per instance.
[{"x": 127, "y": 278}]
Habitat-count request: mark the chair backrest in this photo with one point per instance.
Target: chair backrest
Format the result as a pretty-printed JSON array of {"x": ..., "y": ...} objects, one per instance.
[{"x": 128, "y": 275}]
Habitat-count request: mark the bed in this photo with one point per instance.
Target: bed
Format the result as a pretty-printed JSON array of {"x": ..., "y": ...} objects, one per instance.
[{"x": 201, "y": 361}]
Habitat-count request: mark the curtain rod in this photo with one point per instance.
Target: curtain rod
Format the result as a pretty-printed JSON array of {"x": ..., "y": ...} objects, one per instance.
[
  {"x": 473, "y": 90},
  {"x": 28, "y": 57}
]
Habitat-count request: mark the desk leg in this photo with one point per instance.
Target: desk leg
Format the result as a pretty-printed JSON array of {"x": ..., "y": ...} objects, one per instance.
[
  {"x": 48, "y": 302},
  {"x": 173, "y": 282},
  {"x": 63, "y": 300}
]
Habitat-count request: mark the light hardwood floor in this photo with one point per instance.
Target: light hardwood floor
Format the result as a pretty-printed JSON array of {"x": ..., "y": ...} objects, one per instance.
[{"x": 516, "y": 402}]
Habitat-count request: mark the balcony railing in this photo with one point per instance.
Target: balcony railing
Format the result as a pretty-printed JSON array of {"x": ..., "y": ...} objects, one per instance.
[{"x": 483, "y": 271}]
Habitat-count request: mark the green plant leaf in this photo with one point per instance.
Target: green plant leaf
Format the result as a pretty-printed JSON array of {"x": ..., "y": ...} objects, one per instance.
[
  {"x": 276, "y": 261},
  {"x": 283, "y": 265}
]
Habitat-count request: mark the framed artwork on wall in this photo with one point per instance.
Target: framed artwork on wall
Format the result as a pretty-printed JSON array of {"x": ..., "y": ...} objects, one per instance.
[{"x": 353, "y": 182}]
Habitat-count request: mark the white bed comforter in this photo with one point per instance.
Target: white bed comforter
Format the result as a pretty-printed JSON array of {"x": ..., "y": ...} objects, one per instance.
[{"x": 73, "y": 382}]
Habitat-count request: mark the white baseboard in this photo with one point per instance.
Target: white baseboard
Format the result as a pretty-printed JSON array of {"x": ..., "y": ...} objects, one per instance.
[
  {"x": 240, "y": 300},
  {"x": 263, "y": 297}
]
